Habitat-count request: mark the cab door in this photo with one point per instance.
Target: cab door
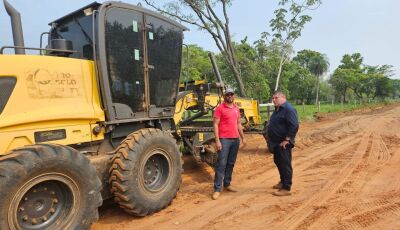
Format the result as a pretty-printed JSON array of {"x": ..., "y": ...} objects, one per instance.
[
  {"x": 124, "y": 83},
  {"x": 164, "y": 49}
]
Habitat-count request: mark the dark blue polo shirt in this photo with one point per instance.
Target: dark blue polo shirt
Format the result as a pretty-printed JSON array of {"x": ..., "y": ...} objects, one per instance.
[{"x": 283, "y": 123}]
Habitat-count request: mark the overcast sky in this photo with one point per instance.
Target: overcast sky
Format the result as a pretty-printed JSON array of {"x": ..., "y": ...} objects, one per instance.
[{"x": 338, "y": 27}]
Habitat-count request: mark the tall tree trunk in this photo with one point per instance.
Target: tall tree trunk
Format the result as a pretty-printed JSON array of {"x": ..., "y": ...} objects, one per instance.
[
  {"x": 344, "y": 95},
  {"x": 229, "y": 55},
  {"x": 239, "y": 82},
  {"x": 279, "y": 71},
  {"x": 317, "y": 97}
]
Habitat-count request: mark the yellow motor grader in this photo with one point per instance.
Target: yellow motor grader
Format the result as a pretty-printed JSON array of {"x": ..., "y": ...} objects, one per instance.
[
  {"x": 97, "y": 114},
  {"x": 89, "y": 118},
  {"x": 194, "y": 110},
  {"x": 193, "y": 117}
]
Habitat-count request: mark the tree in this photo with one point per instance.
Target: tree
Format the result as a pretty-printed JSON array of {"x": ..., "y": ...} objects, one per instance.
[
  {"x": 396, "y": 88},
  {"x": 383, "y": 87},
  {"x": 300, "y": 83},
  {"x": 251, "y": 69},
  {"x": 381, "y": 84},
  {"x": 268, "y": 58},
  {"x": 326, "y": 91},
  {"x": 367, "y": 82},
  {"x": 255, "y": 84},
  {"x": 207, "y": 18},
  {"x": 340, "y": 81},
  {"x": 318, "y": 66},
  {"x": 304, "y": 57},
  {"x": 353, "y": 61},
  {"x": 287, "y": 26},
  {"x": 199, "y": 65},
  {"x": 316, "y": 63}
]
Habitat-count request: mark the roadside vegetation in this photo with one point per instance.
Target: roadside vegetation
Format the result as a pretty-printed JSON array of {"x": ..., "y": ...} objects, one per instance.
[
  {"x": 312, "y": 112},
  {"x": 257, "y": 69}
]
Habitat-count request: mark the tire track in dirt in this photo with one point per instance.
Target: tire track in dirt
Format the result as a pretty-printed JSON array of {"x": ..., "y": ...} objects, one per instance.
[
  {"x": 303, "y": 164},
  {"x": 367, "y": 210},
  {"x": 346, "y": 177},
  {"x": 329, "y": 134},
  {"x": 326, "y": 214},
  {"x": 241, "y": 200},
  {"x": 376, "y": 155},
  {"x": 384, "y": 153},
  {"x": 381, "y": 202},
  {"x": 318, "y": 199},
  {"x": 257, "y": 156},
  {"x": 372, "y": 215},
  {"x": 266, "y": 208}
]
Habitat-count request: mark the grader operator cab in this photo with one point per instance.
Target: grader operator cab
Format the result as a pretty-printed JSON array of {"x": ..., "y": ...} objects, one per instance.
[{"x": 89, "y": 118}]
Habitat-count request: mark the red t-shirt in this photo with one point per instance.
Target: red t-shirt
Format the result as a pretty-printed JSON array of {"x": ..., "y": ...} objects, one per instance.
[{"x": 228, "y": 127}]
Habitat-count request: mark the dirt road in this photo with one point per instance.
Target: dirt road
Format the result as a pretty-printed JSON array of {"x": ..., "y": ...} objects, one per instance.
[{"x": 346, "y": 176}]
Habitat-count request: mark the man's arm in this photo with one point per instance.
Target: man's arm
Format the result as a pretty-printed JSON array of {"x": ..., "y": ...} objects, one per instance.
[
  {"x": 216, "y": 133},
  {"x": 293, "y": 124},
  {"x": 293, "y": 127},
  {"x": 240, "y": 129}
]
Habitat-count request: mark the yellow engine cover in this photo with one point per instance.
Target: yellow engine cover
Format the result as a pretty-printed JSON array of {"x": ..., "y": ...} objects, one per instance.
[{"x": 55, "y": 100}]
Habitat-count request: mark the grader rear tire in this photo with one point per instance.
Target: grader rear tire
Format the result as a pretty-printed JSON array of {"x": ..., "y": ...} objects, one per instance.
[
  {"x": 48, "y": 187},
  {"x": 146, "y": 172}
]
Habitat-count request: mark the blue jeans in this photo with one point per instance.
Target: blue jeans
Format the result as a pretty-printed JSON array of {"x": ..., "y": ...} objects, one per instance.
[{"x": 226, "y": 162}]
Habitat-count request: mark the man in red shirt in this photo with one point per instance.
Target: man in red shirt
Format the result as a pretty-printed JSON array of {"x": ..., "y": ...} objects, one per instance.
[{"x": 227, "y": 130}]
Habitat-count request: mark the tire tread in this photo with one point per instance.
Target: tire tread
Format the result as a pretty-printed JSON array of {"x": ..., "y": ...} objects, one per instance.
[
  {"x": 26, "y": 158},
  {"x": 119, "y": 172}
]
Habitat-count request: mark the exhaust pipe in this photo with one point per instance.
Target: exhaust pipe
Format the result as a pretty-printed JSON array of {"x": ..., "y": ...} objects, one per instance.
[{"x": 16, "y": 26}]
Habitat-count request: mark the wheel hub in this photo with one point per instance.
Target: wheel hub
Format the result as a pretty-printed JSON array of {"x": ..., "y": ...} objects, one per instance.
[
  {"x": 42, "y": 205},
  {"x": 39, "y": 205},
  {"x": 156, "y": 171}
]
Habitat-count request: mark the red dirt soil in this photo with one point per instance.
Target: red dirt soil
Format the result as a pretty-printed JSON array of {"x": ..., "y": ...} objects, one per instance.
[{"x": 346, "y": 176}]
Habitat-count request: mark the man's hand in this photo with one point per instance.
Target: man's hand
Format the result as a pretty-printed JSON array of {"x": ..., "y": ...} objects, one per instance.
[
  {"x": 243, "y": 144},
  {"x": 283, "y": 144},
  {"x": 219, "y": 145}
]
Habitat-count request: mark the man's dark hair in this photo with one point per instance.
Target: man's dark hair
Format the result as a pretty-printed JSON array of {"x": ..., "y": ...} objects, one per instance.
[{"x": 278, "y": 92}]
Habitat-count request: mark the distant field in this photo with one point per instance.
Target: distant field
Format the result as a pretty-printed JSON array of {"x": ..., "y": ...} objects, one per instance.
[{"x": 307, "y": 112}]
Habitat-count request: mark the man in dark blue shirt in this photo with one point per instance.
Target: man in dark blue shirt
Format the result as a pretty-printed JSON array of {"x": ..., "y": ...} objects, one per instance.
[{"x": 282, "y": 129}]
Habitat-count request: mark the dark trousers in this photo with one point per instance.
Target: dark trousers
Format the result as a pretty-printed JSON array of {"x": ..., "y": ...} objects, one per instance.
[
  {"x": 226, "y": 162},
  {"x": 283, "y": 161}
]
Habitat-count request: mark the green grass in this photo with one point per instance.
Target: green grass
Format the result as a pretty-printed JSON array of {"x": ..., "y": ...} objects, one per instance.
[{"x": 307, "y": 112}]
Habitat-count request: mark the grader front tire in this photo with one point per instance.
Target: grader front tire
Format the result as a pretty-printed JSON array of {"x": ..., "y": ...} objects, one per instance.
[{"x": 146, "y": 172}]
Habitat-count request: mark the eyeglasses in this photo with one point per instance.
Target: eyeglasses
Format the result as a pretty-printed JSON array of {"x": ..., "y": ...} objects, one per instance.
[{"x": 229, "y": 94}]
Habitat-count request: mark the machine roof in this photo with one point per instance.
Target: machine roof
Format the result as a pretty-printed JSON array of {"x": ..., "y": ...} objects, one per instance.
[{"x": 96, "y": 5}]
